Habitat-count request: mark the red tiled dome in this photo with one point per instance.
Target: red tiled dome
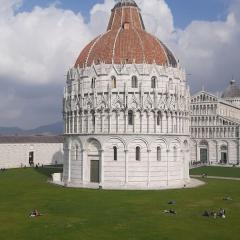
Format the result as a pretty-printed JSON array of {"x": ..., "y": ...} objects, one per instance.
[{"x": 126, "y": 41}]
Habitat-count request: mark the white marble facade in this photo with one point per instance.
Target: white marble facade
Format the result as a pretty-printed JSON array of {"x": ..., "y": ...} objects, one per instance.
[
  {"x": 215, "y": 123},
  {"x": 131, "y": 121}
]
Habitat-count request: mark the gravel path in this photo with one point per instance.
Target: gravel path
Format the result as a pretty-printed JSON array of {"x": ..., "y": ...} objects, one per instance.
[{"x": 216, "y": 177}]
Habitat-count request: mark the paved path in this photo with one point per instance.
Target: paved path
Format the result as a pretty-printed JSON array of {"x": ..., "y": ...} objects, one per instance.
[{"x": 215, "y": 177}]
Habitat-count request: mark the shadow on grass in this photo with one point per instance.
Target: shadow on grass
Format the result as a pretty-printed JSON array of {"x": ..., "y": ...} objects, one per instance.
[{"x": 49, "y": 170}]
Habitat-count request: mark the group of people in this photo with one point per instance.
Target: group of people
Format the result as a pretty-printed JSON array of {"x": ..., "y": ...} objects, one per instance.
[
  {"x": 221, "y": 213},
  {"x": 3, "y": 169}
]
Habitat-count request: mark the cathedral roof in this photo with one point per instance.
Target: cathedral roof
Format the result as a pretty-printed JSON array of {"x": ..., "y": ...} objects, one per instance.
[
  {"x": 126, "y": 41},
  {"x": 232, "y": 91}
]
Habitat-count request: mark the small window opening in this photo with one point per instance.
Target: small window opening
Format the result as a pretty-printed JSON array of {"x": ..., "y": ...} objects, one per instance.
[
  {"x": 93, "y": 83},
  {"x": 175, "y": 153},
  {"x": 158, "y": 153},
  {"x": 93, "y": 120},
  {"x": 159, "y": 119},
  {"x": 153, "y": 82},
  {"x": 76, "y": 153},
  {"x": 130, "y": 118},
  {"x": 138, "y": 154},
  {"x": 115, "y": 153},
  {"x": 134, "y": 82},
  {"x": 126, "y": 26},
  {"x": 114, "y": 82}
]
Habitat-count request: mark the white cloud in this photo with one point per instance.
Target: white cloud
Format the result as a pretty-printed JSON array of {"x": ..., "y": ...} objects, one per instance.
[
  {"x": 210, "y": 51},
  {"x": 8, "y": 7},
  {"x": 158, "y": 18},
  {"x": 99, "y": 16},
  {"x": 38, "y": 46}
]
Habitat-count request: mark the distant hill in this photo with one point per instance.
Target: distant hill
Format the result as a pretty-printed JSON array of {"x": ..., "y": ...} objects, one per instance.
[{"x": 52, "y": 129}]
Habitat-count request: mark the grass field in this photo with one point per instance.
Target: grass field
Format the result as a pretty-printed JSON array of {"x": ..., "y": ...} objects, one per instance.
[
  {"x": 130, "y": 215},
  {"x": 217, "y": 171}
]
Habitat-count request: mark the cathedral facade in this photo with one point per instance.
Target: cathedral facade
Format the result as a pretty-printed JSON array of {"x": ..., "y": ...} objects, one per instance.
[
  {"x": 215, "y": 125},
  {"x": 126, "y": 110}
]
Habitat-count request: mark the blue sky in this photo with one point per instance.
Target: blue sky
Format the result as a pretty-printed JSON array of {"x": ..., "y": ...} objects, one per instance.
[{"x": 184, "y": 11}]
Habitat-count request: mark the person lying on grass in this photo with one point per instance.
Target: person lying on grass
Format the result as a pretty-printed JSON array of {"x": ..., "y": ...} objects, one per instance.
[
  {"x": 35, "y": 213},
  {"x": 227, "y": 199},
  {"x": 171, "y": 211}
]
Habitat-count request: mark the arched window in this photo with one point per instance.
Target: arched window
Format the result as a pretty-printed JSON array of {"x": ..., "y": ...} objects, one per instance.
[
  {"x": 158, "y": 118},
  {"x": 93, "y": 84},
  {"x": 76, "y": 153},
  {"x": 130, "y": 118},
  {"x": 158, "y": 153},
  {"x": 115, "y": 156},
  {"x": 138, "y": 154},
  {"x": 134, "y": 82},
  {"x": 153, "y": 82},
  {"x": 114, "y": 82},
  {"x": 175, "y": 153},
  {"x": 93, "y": 120}
]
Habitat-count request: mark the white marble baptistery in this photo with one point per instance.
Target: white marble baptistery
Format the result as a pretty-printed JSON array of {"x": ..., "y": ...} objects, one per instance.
[{"x": 126, "y": 110}]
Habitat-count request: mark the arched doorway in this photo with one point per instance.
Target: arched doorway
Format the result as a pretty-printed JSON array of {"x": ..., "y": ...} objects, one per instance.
[
  {"x": 224, "y": 154},
  {"x": 203, "y": 152},
  {"x": 94, "y": 158}
]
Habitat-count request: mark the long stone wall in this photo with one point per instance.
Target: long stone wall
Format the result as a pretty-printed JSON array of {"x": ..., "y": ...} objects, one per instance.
[{"x": 17, "y": 155}]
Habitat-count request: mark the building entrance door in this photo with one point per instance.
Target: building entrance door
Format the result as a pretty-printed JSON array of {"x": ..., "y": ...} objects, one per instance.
[
  {"x": 94, "y": 171},
  {"x": 31, "y": 158},
  {"x": 224, "y": 157},
  {"x": 203, "y": 155},
  {"x": 224, "y": 154}
]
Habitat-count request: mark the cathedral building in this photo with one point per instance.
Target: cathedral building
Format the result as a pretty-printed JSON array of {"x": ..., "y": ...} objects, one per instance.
[
  {"x": 126, "y": 110},
  {"x": 215, "y": 124}
]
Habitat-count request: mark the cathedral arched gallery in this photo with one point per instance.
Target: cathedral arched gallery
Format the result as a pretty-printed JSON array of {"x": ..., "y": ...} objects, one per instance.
[{"x": 126, "y": 110}]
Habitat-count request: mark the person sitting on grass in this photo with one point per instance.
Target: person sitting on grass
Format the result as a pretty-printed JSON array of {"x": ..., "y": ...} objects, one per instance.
[
  {"x": 172, "y": 211},
  {"x": 222, "y": 213},
  {"x": 35, "y": 213},
  {"x": 206, "y": 213},
  {"x": 204, "y": 175}
]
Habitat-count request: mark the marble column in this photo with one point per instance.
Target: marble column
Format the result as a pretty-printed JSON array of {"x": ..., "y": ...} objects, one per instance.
[
  {"x": 126, "y": 167},
  {"x": 149, "y": 168},
  {"x": 69, "y": 164},
  {"x": 101, "y": 167}
]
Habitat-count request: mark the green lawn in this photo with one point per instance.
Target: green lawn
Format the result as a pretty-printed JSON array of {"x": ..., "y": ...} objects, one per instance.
[
  {"x": 80, "y": 214},
  {"x": 217, "y": 171}
]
